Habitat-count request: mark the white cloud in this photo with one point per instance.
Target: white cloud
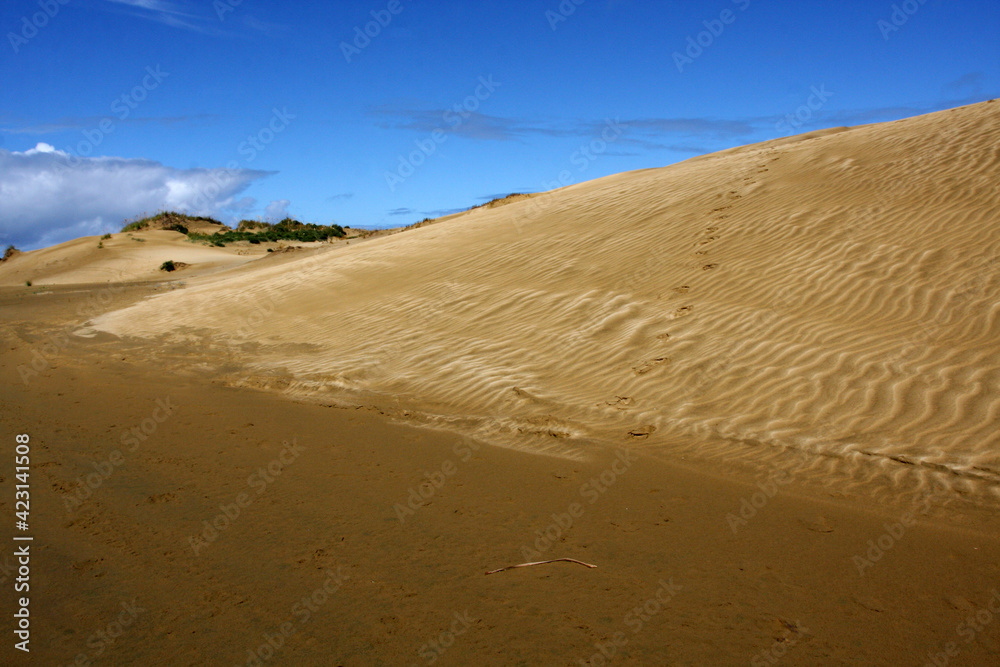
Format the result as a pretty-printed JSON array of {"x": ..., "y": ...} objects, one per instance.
[
  {"x": 277, "y": 210},
  {"x": 41, "y": 148},
  {"x": 48, "y": 196}
]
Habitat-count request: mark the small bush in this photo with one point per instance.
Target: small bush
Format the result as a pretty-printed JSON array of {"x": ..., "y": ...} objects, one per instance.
[
  {"x": 168, "y": 266},
  {"x": 27, "y": 283},
  {"x": 135, "y": 226},
  {"x": 100, "y": 245},
  {"x": 106, "y": 237},
  {"x": 169, "y": 220}
]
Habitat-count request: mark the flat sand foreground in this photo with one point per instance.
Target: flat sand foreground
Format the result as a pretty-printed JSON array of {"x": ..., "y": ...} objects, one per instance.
[{"x": 330, "y": 553}]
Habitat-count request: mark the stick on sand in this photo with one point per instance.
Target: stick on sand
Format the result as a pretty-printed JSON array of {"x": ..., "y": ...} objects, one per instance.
[{"x": 542, "y": 562}]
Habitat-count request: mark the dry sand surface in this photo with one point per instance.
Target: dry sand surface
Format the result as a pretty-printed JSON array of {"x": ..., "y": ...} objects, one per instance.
[
  {"x": 759, "y": 389},
  {"x": 122, "y": 258}
]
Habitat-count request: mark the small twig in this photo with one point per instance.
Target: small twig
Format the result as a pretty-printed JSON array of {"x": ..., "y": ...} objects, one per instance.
[{"x": 542, "y": 562}]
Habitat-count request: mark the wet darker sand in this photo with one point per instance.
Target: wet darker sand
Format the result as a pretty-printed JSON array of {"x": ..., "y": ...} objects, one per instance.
[{"x": 235, "y": 527}]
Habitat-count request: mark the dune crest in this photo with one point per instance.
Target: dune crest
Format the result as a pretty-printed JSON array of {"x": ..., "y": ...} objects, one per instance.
[{"x": 828, "y": 304}]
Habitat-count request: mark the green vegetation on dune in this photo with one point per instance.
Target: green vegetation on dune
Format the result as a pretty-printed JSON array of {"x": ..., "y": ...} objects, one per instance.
[
  {"x": 286, "y": 230},
  {"x": 169, "y": 220},
  {"x": 252, "y": 231}
]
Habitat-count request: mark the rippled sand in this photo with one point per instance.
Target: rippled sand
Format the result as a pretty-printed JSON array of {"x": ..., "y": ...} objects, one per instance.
[{"x": 832, "y": 296}]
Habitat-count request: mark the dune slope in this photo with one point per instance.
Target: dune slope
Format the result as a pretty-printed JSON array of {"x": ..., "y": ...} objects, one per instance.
[
  {"x": 827, "y": 303},
  {"x": 125, "y": 257}
]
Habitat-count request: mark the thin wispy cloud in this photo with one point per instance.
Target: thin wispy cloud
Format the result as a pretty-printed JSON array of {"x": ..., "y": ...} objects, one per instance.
[
  {"x": 90, "y": 122},
  {"x": 497, "y": 128},
  {"x": 968, "y": 83},
  {"x": 167, "y": 13},
  {"x": 882, "y": 114},
  {"x": 441, "y": 212}
]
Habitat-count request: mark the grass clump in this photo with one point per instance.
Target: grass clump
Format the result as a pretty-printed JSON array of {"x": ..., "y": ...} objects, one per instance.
[
  {"x": 168, "y": 266},
  {"x": 169, "y": 220},
  {"x": 256, "y": 232}
]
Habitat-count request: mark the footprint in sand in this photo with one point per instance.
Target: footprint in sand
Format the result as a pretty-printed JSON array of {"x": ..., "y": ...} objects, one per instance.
[
  {"x": 645, "y": 366},
  {"x": 683, "y": 311},
  {"x": 819, "y": 524},
  {"x": 642, "y": 432},
  {"x": 708, "y": 240},
  {"x": 708, "y": 267},
  {"x": 711, "y": 230},
  {"x": 683, "y": 289},
  {"x": 621, "y": 402},
  {"x": 870, "y": 603},
  {"x": 663, "y": 336}
]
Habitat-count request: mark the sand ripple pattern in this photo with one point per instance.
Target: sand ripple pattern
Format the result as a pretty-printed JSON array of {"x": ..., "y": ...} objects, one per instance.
[{"x": 832, "y": 300}]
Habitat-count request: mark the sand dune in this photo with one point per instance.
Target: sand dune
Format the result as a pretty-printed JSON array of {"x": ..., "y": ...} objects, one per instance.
[
  {"x": 124, "y": 257},
  {"x": 827, "y": 303}
]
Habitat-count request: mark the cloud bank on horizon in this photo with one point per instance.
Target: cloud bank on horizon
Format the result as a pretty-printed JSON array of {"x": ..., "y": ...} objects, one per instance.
[{"x": 48, "y": 196}]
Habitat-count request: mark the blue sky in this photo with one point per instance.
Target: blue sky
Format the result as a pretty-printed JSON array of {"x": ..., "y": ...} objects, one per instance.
[{"x": 251, "y": 108}]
